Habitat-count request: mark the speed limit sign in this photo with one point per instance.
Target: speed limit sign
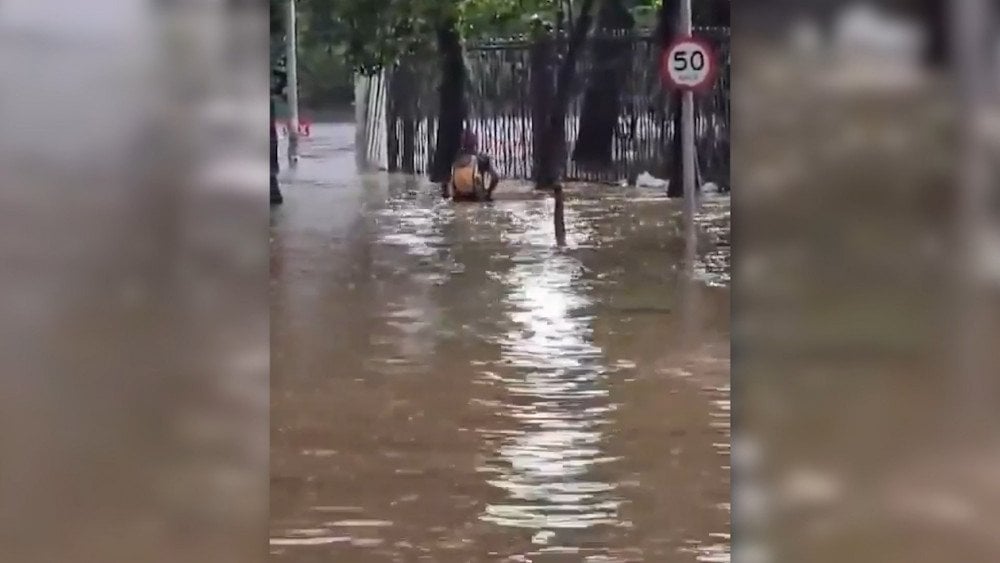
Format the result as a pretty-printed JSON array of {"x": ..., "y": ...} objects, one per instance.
[{"x": 689, "y": 64}]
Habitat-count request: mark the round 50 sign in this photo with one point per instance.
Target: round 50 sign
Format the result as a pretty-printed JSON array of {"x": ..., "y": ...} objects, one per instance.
[{"x": 689, "y": 64}]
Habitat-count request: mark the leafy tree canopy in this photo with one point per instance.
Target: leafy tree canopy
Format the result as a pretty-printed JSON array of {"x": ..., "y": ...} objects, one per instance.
[
  {"x": 376, "y": 33},
  {"x": 337, "y": 37}
]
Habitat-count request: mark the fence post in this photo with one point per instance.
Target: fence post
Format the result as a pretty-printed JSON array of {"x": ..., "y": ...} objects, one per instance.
[
  {"x": 361, "y": 90},
  {"x": 378, "y": 122},
  {"x": 542, "y": 90}
]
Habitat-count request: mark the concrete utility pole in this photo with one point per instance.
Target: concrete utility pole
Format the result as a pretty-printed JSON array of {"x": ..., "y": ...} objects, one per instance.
[
  {"x": 292, "y": 68},
  {"x": 688, "y": 152}
]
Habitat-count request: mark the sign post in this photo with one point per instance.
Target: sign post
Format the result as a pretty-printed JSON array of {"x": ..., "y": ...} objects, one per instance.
[
  {"x": 292, "y": 68},
  {"x": 688, "y": 65}
]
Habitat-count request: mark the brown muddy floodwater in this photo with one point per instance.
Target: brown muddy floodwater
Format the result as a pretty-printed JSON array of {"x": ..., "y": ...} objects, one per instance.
[{"x": 446, "y": 385}]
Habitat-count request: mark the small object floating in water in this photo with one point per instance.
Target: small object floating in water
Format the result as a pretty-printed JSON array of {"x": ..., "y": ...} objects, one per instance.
[
  {"x": 308, "y": 541},
  {"x": 647, "y": 180},
  {"x": 543, "y": 537},
  {"x": 713, "y": 188}
]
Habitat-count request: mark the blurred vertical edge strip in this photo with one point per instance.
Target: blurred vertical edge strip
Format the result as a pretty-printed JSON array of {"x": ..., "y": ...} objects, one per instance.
[
  {"x": 133, "y": 388},
  {"x": 867, "y": 274}
]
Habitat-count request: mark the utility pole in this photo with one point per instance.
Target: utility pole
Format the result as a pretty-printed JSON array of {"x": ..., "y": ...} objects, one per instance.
[
  {"x": 689, "y": 291},
  {"x": 688, "y": 153},
  {"x": 292, "y": 66}
]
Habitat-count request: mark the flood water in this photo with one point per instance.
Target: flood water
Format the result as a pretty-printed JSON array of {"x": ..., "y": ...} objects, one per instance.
[{"x": 447, "y": 385}]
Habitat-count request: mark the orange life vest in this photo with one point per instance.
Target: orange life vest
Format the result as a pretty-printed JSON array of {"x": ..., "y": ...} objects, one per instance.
[{"x": 466, "y": 179}]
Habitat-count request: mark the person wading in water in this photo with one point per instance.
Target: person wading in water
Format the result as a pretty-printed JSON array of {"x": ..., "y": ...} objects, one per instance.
[{"x": 473, "y": 177}]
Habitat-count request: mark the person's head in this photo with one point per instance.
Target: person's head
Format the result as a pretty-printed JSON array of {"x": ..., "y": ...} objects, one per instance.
[{"x": 470, "y": 142}]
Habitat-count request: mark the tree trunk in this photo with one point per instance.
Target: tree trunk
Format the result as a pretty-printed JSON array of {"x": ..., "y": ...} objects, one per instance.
[
  {"x": 400, "y": 114},
  {"x": 275, "y": 188},
  {"x": 451, "y": 103},
  {"x": 542, "y": 87},
  {"x": 554, "y": 158},
  {"x": 601, "y": 101},
  {"x": 710, "y": 13},
  {"x": 393, "y": 95},
  {"x": 407, "y": 116}
]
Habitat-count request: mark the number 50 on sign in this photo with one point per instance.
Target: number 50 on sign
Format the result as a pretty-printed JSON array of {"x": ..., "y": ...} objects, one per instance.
[{"x": 689, "y": 64}]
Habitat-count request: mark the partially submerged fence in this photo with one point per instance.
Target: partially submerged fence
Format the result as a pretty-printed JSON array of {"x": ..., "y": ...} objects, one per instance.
[{"x": 397, "y": 110}]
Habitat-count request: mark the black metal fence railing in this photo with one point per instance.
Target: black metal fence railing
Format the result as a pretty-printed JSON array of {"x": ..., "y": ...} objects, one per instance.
[{"x": 401, "y": 116}]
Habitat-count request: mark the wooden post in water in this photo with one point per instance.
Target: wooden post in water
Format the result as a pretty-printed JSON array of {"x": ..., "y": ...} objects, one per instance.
[{"x": 559, "y": 215}]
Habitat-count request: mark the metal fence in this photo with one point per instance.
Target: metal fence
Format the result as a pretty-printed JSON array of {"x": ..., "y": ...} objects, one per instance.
[{"x": 397, "y": 110}]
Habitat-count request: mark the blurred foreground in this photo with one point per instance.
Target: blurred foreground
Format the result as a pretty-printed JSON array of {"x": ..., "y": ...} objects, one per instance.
[
  {"x": 133, "y": 384},
  {"x": 866, "y": 241}
]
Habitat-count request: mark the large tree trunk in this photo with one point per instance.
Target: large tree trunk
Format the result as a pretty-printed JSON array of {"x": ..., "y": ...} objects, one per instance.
[
  {"x": 400, "y": 118},
  {"x": 451, "y": 103},
  {"x": 542, "y": 87},
  {"x": 554, "y": 157},
  {"x": 407, "y": 107},
  {"x": 599, "y": 115},
  {"x": 710, "y": 13}
]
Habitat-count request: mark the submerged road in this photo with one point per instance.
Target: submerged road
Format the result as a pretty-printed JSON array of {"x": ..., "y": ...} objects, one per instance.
[{"x": 446, "y": 385}]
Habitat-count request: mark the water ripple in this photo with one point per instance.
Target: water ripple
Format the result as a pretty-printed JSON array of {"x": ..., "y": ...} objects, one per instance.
[{"x": 556, "y": 399}]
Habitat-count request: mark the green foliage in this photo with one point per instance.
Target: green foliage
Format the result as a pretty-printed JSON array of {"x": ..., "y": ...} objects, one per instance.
[
  {"x": 325, "y": 77},
  {"x": 277, "y": 45},
  {"x": 482, "y": 19},
  {"x": 377, "y": 33},
  {"x": 338, "y": 37},
  {"x": 645, "y": 15}
]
